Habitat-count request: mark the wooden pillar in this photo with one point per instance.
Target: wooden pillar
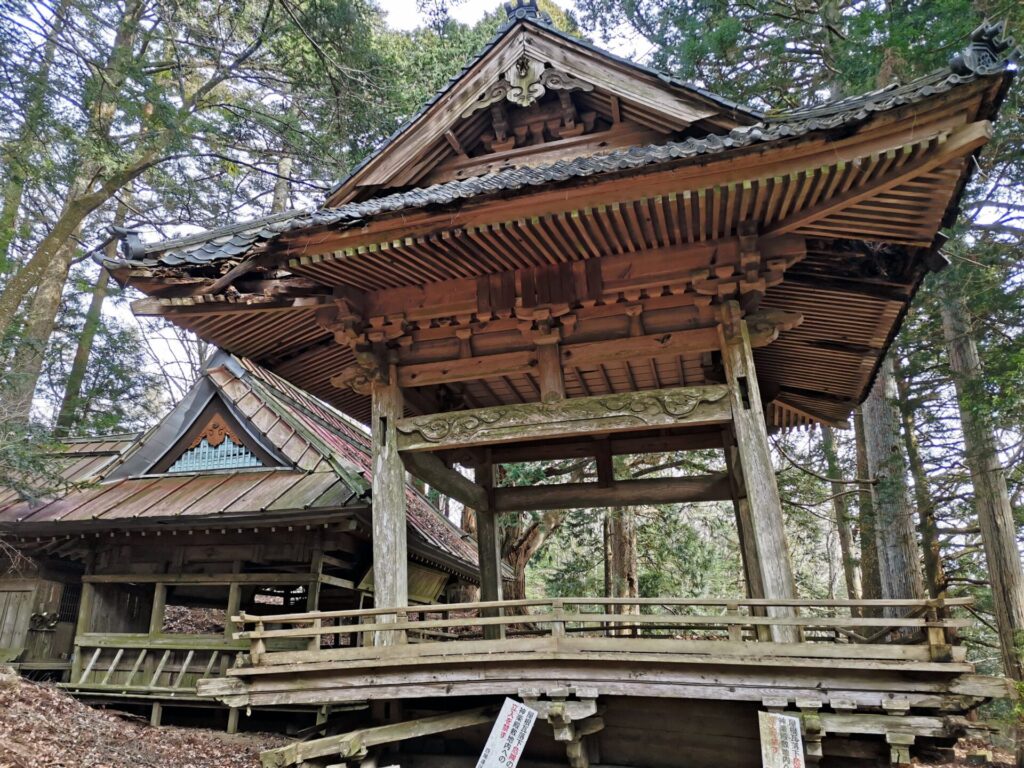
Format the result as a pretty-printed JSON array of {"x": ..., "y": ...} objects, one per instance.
[
  {"x": 488, "y": 539},
  {"x": 156, "y": 615},
  {"x": 84, "y": 624},
  {"x": 767, "y": 527},
  {"x": 744, "y": 523},
  {"x": 390, "y": 555}
]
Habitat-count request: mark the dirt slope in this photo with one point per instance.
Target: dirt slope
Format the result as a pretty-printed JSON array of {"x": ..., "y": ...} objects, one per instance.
[{"x": 43, "y": 727}]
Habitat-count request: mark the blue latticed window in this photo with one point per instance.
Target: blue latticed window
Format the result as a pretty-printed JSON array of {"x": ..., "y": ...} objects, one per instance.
[{"x": 204, "y": 457}]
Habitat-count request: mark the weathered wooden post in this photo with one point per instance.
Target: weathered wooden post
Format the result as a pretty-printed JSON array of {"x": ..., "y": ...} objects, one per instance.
[
  {"x": 767, "y": 529},
  {"x": 488, "y": 537},
  {"x": 390, "y": 567}
]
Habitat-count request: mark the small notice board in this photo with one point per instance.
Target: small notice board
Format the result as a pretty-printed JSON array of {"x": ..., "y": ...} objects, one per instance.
[
  {"x": 782, "y": 746},
  {"x": 505, "y": 745}
]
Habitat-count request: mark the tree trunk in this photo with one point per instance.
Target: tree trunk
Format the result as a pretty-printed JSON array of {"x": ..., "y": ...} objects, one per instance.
[
  {"x": 282, "y": 185},
  {"x": 622, "y": 579},
  {"x": 870, "y": 581},
  {"x": 898, "y": 560},
  {"x": 39, "y": 322},
  {"x": 71, "y": 403},
  {"x": 934, "y": 573},
  {"x": 851, "y": 572},
  {"x": 991, "y": 499},
  {"x": 88, "y": 190},
  {"x": 18, "y": 152}
]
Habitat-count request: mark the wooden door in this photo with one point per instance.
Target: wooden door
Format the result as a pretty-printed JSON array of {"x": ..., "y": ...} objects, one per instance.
[{"x": 15, "y": 612}]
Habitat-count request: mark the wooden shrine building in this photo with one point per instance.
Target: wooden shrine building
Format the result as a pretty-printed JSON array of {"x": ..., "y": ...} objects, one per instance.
[
  {"x": 566, "y": 254},
  {"x": 250, "y": 495}
]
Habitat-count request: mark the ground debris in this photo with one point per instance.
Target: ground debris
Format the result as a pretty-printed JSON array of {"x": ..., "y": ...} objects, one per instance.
[{"x": 44, "y": 727}]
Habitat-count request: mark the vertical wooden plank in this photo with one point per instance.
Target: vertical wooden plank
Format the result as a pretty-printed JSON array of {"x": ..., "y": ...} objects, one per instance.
[
  {"x": 488, "y": 538},
  {"x": 549, "y": 372},
  {"x": 313, "y": 594},
  {"x": 156, "y": 616},
  {"x": 762, "y": 491},
  {"x": 390, "y": 555},
  {"x": 83, "y": 625}
]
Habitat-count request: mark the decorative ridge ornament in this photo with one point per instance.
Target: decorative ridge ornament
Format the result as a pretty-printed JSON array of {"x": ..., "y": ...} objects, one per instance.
[
  {"x": 525, "y": 9},
  {"x": 989, "y": 51}
]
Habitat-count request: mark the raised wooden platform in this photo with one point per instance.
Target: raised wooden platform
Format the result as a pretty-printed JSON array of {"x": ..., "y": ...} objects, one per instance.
[
  {"x": 709, "y": 649},
  {"x": 854, "y": 673}
]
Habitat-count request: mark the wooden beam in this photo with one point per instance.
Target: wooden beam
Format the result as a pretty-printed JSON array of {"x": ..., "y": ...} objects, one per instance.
[
  {"x": 765, "y": 328},
  {"x": 433, "y": 471},
  {"x": 390, "y": 549},
  {"x": 577, "y": 416},
  {"x": 260, "y": 579},
  {"x": 620, "y": 446},
  {"x": 355, "y": 743},
  {"x": 667, "y": 490}
]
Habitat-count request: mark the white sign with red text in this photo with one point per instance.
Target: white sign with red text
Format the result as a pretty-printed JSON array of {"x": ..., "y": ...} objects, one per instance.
[
  {"x": 505, "y": 745},
  {"x": 782, "y": 746}
]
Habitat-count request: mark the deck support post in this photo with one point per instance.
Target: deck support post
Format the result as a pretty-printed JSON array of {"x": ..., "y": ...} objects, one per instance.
[
  {"x": 767, "y": 527},
  {"x": 488, "y": 538},
  {"x": 390, "y": 556},
  {"x": 899, "y": 748}
]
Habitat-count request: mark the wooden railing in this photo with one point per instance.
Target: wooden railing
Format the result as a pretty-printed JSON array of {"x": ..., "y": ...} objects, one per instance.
[
  {"x": 672, "y": 621},
  {"x": 140, "y": 664}
]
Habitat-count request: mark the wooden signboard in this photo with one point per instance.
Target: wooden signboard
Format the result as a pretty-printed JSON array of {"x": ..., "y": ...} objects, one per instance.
[
  {"x": 781, "y": 743},
  {"x": 508, "y": 737}
]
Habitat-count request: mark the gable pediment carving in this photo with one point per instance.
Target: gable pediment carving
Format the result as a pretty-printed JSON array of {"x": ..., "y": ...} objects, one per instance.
[
  {"x": 536, "y": 96},
  {"x": 524, "y": 83}
]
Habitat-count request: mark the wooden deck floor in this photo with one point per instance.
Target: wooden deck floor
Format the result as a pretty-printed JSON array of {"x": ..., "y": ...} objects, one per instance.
[{"x": 716, "y": 650}]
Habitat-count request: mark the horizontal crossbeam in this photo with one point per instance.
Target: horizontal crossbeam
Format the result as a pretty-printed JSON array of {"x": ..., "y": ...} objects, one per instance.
[{"x": 603, "y": 414}]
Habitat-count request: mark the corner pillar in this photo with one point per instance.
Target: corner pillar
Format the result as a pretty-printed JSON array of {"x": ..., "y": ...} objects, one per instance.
[
  {"x": 488, "y": 538},
  {"x": 767, "y": 527},
  {"x": 390, "y": 555}
]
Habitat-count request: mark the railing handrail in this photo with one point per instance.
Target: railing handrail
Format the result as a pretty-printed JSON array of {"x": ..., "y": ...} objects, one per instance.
[
  {"x": 159, "y": 642},
  {"x": 311, "y": 616},
  {"x": 665, "y": 620}
]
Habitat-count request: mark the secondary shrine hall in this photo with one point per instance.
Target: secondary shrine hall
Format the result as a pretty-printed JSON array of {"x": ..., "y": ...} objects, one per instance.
[{"x": 567, "y": 254}]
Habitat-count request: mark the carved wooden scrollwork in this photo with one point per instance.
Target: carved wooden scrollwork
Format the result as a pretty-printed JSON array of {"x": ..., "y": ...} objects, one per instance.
[
  {"x": 524, "y": 83},
  {"x": 214, "y": 433},
  {"x": 361, "y": 375},
  {"x": 636, "y": 410}
]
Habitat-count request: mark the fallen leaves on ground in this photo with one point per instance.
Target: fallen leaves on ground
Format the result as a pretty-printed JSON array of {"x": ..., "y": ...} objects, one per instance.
[{"x": 41, "y": 726}]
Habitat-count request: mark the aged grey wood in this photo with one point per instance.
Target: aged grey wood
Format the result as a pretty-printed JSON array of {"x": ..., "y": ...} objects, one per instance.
[
  {"x": 577, "y": 416},
  {"x": 664, "y": 490},
  {"x": 432, "y": 470},
  {"x": 488, "y": 537},
  {"x": 390, "y": 567},
  {"x": 762, "y": 491},
  {"x": 355, "y": 743}
]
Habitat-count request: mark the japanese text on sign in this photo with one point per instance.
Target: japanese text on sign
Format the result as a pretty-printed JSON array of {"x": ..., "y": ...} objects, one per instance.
[
  {"x": 781, "y": 743},
  {"x": 505, "y": 745}
]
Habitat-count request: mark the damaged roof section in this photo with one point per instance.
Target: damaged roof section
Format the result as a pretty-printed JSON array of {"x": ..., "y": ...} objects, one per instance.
[{"x": 314, "y": 464}]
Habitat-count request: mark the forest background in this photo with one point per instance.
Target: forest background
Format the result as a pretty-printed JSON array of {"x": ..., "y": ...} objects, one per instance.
[{"x": 151, "y": 114}]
